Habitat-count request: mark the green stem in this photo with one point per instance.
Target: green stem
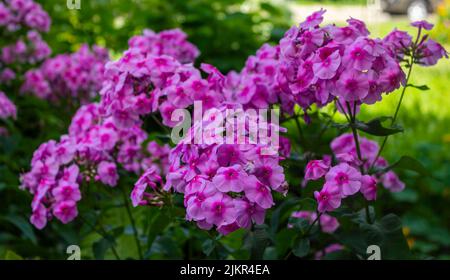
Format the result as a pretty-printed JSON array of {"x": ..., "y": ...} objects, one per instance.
[
  {"x": 312, "y": 224},
  {"x": 355, "y": 136},
  {"x": 358, "y": 151},
  {"x": 300, "y": 131},
  {"x": 133, "y": 223}
]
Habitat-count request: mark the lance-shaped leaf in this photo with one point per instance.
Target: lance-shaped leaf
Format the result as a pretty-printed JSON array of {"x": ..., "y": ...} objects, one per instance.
[
  {"x": 409, "y": 163},
  {"x": 375, "y": 127},
  {"x": 422, "y": 87}
]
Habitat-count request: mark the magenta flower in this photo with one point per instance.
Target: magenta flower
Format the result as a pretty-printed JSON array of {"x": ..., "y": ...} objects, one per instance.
[
  {"x": 247, "y": 212},
  {"x": 107, "y": 173},
  {"x": 39, "y": 216},
  {"x": 345, "y": 177},
  {"x": 423, "y": 24},
  {"x": 430, "y": 52},
  {"x": 197, "y": 191},
  {"x": 257, "y": 192},
  {"x": 231, "y": 178},
  {"x": 328, "y": 224},
  {"x": 329, "y": 198},
  {"x": 352, "y": 85},
  {"x": 326, "y": 67},
  {"x": 7, "y": 107},
  {"x": 358, "y": 57},
  {"x": 219, "y": 209},
  {"x": 149, "y": 179},
  {"x": 391, "y": 182},
  {"x": 369, "y": 187},
  {"x": 316, "y": 169},
  {"x": 313, "y": 20},
  {"x": 269, "y": 172},
  {"x": 65, "y": 211},
  {"x": 66, "y": 191},
  {"x": 335, "y": 247}
]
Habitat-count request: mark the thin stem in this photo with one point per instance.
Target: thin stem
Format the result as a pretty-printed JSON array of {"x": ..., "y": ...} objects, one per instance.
[
  {"x": 355, "y": 136},
  {"x": 369, "y": 219},
  {"x": 358, "y": 151},
  {"x": 300, "y": 130},
  {"x": 133, "y": 223},
  {"x": 312, "y": 224},
  {"x": 343, "y": 111}
]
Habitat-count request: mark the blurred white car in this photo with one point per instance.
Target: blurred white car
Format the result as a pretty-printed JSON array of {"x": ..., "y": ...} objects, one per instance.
[{"x": 415, "y": 9}]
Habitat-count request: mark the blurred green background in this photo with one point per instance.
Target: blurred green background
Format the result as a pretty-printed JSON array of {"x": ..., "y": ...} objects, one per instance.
[{"x": 226, "y": 32}]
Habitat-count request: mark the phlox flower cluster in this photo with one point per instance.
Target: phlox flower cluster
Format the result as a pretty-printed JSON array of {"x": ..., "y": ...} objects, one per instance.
[
  {"x": 77, "y": 76},
  {"x": 94, "y": 150},
  {"x": 319, "y": 64},
  {"x": 20, "y": 24},
  {"x": 256, "y": 85},
  {"x": 227, "y": 186},
  {"x": 424, "y": 50},
  {"x": 349, "y": 175},
  {"x": 171, "y": 42},
  {"x": 15, "y": 14},
  {"x": 147, "y": 79},
  {"x": 29, "y": 50}
]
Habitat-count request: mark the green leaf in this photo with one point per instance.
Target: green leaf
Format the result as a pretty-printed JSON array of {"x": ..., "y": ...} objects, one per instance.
[
  {"x": 208, "y": 246},
  {"x": 390, "y": 223},
  {"x": 376, "y": 128},
  {"x": 409, "y": 163},
  {"x": 299, "y": 223},
  {"x": 385, "y": 233},
  {"x": 301, "y": 247},
  {"x": 12, "y": 256},
  {"x": 279, "y": 212},
  {"x": 157, "y": 226},
  {"x": 422, "y": 87},
  {"x": 23, "y": 225},
  {"x": 101, "y": 246},
  {"x": 259, "y": 239},
  {"x": 283, "y": 240},
  {"x": 270, "y": 253}
]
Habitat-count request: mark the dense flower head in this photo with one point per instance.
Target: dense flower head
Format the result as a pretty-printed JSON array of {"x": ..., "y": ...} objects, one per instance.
[
  {"x": 154, "y": 75},
  {"x": 425, "y": 51},
  {"x": 256, "y": 85},
  {"x": 7, "y": 107},
  {"x": 15, "y": 14},
  {"x": 93, "y": 150},
  {"x": 21, "y": 22},
  {"x": 348, "y": 175},
  {"x": 228, "y": 186},
  {"x": 28, "y": 50},
  {"x": 319, "y": 64},
  {"x": 168, "y": 42},
  {"x": 76, "y": 76}
]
